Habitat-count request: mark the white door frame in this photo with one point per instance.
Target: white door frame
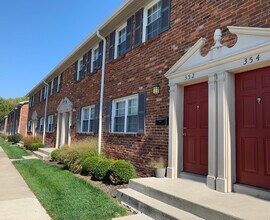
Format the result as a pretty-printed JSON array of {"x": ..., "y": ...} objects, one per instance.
[
  {"x": 252, "y": 51},
  {"x": 64, "y": 107}
]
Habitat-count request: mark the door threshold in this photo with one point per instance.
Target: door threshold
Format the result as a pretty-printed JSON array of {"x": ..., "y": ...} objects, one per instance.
[
  {"x": 193, "y": 176},
  {"x": 252, "y": 191}
]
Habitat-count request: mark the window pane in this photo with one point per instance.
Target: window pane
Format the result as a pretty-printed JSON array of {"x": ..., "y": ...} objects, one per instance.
[
  {"x": 120, "y": 108},
  {"x": 132, "y": 123},
  {"x": 122, "y": 35},
  {"x": 85, "y": 126},
  {"x": 154, "y": 13},
  {"x": 119, "y": 124},
  {"x": 86, "y": 113},
  {"x": 96, "y": 54},
  {"x": 92, "y": 125},
  {"x": 92, "y": 116},
  {"x": 133, "y": 106}
]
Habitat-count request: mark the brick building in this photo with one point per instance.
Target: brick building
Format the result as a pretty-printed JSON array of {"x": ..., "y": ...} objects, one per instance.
[
  {"x": 16, "y": 121},
  {"x": 160, "y": 97}
]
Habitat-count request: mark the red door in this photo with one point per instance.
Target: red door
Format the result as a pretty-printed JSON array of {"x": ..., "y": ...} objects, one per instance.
[
  {"x": 253, "y": 127},
  {"x": 196, "y": 129}
]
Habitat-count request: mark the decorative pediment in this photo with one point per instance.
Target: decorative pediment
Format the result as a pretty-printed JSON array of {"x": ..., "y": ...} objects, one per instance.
[
  {"x": 250, "y": 41},
  {"x": 65, "y": 106}
]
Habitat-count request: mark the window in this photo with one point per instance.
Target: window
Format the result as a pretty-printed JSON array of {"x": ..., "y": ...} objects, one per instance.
[
  {"x": 31, "y": 102},
  {"x": 125, "y": 115},
  {"x": 59, "y": 85},
  {"x": 41, "y": 124},
  {"x": 41, "y": 95},
  {"x": 88, "y": 119},
  {"x": 95, "y": 58},
  {"x": 156, "y": 18},
  {"x": 44, "y": 92},
  {"x": 50, "y": 126},
  {"x": 121, "y": 36},
  {"x": 80, "y": 69},
  {"x": 51, "y": 87},
  {"x": 153, "y": 21}
]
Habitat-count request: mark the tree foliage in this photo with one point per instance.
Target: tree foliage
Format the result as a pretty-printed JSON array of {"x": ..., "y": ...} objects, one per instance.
[{"x": 6, "y": 105}]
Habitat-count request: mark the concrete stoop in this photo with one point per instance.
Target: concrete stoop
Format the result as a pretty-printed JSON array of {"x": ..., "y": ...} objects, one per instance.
[
  {"x": 187, "y": 199},
  {"x": 44, "y": 153},
  {"x": 134, "y": 217}
]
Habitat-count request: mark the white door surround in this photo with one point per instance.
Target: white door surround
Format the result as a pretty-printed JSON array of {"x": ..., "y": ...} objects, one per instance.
[
  {"x": 34, "y": 123},
  {"x": 218, "y": 67},
  {"x": 64, "y": 121}
]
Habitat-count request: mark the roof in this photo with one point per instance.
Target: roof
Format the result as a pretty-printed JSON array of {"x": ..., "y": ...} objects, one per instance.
[{"x": 126, "y": 9}]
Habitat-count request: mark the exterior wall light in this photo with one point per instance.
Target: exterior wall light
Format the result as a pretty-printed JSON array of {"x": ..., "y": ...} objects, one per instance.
[
  {"x": 74, "y": 109},
  {"x": 156, "y": 90}
]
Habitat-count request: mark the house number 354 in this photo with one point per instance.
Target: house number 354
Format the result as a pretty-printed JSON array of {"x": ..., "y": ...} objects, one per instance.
[{"x": 252, "y": 59}]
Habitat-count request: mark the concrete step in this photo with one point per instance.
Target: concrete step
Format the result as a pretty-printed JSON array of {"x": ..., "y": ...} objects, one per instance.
[
  {"x": 134, "y": 217},
  {"x": 152, "y": 207},
  {"x": 29, "y": 157},
  {"x": 41, "y": 155},
  {"x": 196, "y": 198},
  {"x": 46, "y": 151}
]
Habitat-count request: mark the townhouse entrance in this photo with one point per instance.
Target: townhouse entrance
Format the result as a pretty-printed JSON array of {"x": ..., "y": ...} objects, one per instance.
[
  {"x": 253, "y": 127},
  {"x": 64, "y": 119},
  {"x": 195, "y": 129}
]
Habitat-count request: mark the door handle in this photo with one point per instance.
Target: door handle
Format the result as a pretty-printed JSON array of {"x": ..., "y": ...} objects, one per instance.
[{"x": 184, "y": 131}]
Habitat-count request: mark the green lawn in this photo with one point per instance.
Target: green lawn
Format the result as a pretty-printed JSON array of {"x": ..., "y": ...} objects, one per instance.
[
  {"x": 66, "y": 196},
  {"x": 13, "y": 152}
]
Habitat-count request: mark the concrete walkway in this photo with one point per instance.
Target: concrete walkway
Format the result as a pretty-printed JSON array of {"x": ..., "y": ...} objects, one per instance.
[{"x": 16, "y": 199}]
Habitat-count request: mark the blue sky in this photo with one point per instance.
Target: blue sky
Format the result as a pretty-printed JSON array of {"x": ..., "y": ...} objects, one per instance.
[{"x": 35, "y": 35}]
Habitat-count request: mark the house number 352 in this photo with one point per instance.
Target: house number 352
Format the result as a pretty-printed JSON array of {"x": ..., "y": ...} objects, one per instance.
[
  {"x": 252, "y": 59},
  {"x": 190, "y": 76}
]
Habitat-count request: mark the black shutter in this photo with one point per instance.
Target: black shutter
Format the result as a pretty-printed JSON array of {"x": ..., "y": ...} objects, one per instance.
[
  {"x": 138, "y": 28},
  {"x": 165, "y": 15},
  {"x": 96, "y": 117},
  {"x": 129, "y": 34},
  {"x": 112, "y": 46},
  {"x": 141, "y": 112},
  {"x": 88, "y": 65},
  {"x": 108, "y": 115},
  {"x": 84, "y": 65},
  {"x": 100, "y": 53},
  {"x": 78, "y": 118},
  {"x": 49, "y": 89},
  {"x": 75, "y": 70},
  {"x": 39, "y": 96}
]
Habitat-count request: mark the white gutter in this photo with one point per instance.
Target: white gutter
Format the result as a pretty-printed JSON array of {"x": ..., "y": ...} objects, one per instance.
[
  {"x": 45, "y": 112},
  {"x": 101, "y": 92}
]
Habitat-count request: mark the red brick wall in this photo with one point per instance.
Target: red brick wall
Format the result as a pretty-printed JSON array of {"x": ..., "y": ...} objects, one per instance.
[
  {"x": 23, "y": 122},
  {"x": 144, "y": 67}
]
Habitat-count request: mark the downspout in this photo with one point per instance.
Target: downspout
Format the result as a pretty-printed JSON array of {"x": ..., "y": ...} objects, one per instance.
[
  {"x": 45, "y": 112},
  {"x": 101, "y": 92}
]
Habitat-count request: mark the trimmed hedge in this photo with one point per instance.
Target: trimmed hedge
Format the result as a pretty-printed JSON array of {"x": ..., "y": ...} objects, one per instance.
[
  {"x": 55, "y": 155},
  {"x": 102, "y": 169},
  {"x": 15, "y": 138},
  {"x": 35, "y": 146},
  {"x": 29, "y": 140},
  {"x": 121, "y": 172},
  {"x": 90, "y": 164}
]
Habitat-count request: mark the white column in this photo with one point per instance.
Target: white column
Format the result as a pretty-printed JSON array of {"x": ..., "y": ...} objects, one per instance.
[
  {"x": 212, "y": 132},
  {"x": 57, "y": 131},
  {"x": 175, "y": 159},
  {"x": 226, "y": 133}
]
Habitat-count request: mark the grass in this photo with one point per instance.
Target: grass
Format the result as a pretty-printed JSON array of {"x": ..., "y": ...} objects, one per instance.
[
  {"x": 12, "y": 151},
  {"x": 66, "y": 196}
]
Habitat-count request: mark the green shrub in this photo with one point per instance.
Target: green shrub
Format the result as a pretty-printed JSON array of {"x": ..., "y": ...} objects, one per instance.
[
  {"x": 35, "y": 146},
  {"x": 121, "y": 172},
  {"x": 75, "y": 155},
  {"x": 29, "y": 140},
  {"x": 15, "y": 138},
  {"x": 90, "y": 164},
  {"x": 102, "y": 169},
  {"x": 55, "y": 155}
]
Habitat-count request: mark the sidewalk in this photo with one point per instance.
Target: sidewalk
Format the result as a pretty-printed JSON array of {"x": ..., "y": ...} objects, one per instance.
[{"x": 16, "y": 199}]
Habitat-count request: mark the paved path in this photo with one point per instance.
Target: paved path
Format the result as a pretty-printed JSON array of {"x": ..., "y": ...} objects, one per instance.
[{"x": 16, "y": 199}]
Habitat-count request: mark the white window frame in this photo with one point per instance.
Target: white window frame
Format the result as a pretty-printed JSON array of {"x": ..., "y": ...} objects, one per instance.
[
  {"x": 52, "y": 83},
  {"x": 29, "y": 126},
  {"x": 50, "y": 122},
  {"x": 79, "y": 67},
  {"x": 41, "y": 120},
  {"x": 82, "y": 118},
  {"x": 93, "y": 56},
  {"x": 126, "y": 99},
  {"x": 145, "y": 17},
  {"x": 124, "y": 25}
]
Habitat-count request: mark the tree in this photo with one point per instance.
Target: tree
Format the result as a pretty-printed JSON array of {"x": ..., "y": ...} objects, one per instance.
[{"x": 6, "y": 105}]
